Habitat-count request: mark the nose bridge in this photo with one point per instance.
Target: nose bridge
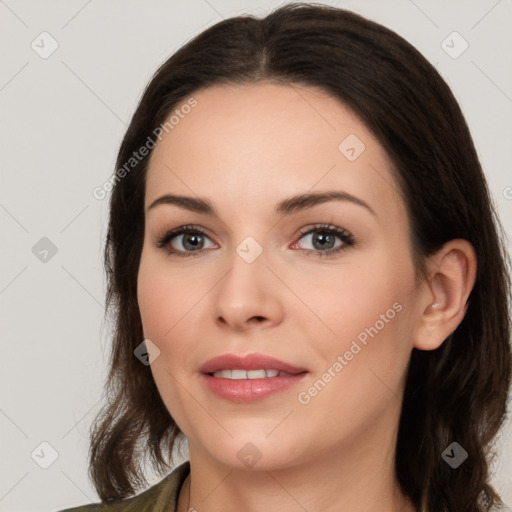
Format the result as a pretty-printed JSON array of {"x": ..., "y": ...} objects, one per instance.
[
  {"x": 250, "y": 250},
  {"x": 248, "y": 266}
]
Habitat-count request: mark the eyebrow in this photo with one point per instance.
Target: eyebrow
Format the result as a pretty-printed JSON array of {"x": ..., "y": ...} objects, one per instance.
[{"x": 286, "y": 207}]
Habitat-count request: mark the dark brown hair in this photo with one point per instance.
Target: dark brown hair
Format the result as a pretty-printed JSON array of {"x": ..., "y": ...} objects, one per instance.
[{"x": 455, "y": 393}]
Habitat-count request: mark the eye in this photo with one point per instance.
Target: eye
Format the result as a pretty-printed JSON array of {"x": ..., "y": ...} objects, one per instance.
[
  {"x": 187, "y": 240},
  {"x": 192, "y": 240},
  {"x": 323, "y": 237}
]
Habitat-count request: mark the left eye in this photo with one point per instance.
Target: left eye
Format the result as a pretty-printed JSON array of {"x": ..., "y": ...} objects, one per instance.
[
  {"x": 324, "y": 237},
  {"x": 322, "y": 240}
]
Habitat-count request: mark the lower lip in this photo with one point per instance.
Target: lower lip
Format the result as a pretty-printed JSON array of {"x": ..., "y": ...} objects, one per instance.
[{"x": 250, "y": 390}]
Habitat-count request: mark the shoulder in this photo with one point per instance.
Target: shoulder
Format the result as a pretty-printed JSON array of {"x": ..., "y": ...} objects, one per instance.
[{"x": 161, "y": 497}]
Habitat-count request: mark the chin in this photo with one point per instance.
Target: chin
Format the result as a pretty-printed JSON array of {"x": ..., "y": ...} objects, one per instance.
[{"x": 255, "y": 453}]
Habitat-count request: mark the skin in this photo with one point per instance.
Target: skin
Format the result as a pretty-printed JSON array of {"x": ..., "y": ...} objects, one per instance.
[{"x": 245, "y": 148}]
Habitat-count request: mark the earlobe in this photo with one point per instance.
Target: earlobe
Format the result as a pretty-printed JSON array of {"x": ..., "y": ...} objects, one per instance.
[{"x": 443, "y": 296}]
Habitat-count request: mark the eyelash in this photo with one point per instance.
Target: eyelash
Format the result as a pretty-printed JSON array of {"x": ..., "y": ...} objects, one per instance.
[{"x": 348, "y": 239}]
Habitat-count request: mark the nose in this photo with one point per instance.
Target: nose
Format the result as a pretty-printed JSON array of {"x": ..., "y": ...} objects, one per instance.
[{"x": 249, "y": 295}]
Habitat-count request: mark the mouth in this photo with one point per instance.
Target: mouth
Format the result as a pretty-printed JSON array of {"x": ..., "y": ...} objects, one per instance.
[
  {"x": 244, "y": 367},
  {"x": 249, "y": 378},
  {"x": 238, "y": 374}
]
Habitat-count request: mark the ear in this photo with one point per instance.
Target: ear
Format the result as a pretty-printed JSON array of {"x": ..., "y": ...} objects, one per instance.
[{"x": 443, "y": 296}]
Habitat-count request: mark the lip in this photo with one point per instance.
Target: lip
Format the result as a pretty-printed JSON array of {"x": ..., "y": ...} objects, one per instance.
[
  {"x": 248, "y": 362},
  {"x": 249, "y": 390}
]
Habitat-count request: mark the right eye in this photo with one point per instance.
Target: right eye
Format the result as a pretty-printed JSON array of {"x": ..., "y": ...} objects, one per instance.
[{"x": 191, "y": 241}]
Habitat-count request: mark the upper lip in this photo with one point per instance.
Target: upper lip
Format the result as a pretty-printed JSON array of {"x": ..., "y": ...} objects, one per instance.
[{"x": 248, "y": 362}]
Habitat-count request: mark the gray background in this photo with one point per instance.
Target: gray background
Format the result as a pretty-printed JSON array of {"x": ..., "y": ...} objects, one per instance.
[{"x": 62, "y": 121}]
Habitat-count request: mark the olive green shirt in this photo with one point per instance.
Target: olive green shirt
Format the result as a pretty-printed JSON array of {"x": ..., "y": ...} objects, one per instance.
[{"x": 161, "y": 497}]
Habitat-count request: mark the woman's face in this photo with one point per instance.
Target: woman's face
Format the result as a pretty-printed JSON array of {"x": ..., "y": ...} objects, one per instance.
[{"x": 255, "y": 278}]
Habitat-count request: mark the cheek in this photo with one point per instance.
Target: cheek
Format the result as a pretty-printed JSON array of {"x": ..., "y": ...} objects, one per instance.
[
  {"x": 367, "y": 312},
  {"x": 162, "y": 301},
  {"x": 162, "y": 297},
  {"x": 362, "y": 372},
  {"x": 154, "y": 301},
  {"x": 169, "y": 299},
  {"x": 358, "y": 297}
]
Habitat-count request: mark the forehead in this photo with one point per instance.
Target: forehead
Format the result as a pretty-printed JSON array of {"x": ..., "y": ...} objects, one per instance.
[{"x": 258, "y": 143}]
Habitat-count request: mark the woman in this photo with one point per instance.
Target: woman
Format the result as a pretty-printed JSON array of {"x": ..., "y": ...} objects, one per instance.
[{"x": 340, "y": 338}]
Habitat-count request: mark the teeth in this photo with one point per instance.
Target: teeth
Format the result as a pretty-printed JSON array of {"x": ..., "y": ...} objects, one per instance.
[
  {"x": 254, "y": 374},
  {"x": 225, "y": 374},
  {"x": 238, "y": 374},
  {"x": 249, "y": 374}
]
